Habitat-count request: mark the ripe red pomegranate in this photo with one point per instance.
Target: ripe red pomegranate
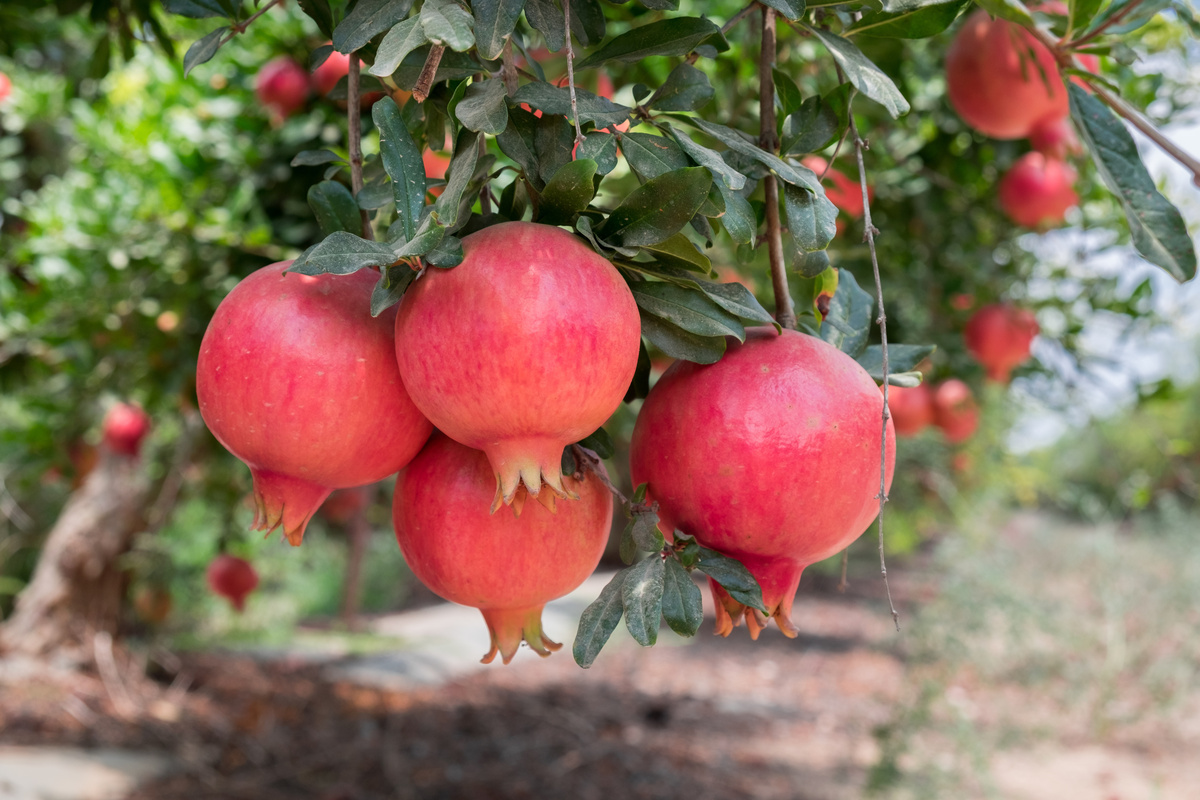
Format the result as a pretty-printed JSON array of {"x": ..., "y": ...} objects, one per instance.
[
  {"x": 770, "y": 456},
  {"x": 911, "y": 408},
  {"x": 297, "y": 379},
  {"x": 1037, "y": 191},
  {"x": 232, "y": 578},
  {"x": 526, "y": 346},
  {"x": 999, "y": 337},
  {"x": 1055, "y": 138},
  {"x": 955, "y": 411},
  {"x": 5, "y": 87},
  {"x": 282, "y": 86},
  {"x": 124, "y": 427},
  {"x": 508, "y": 567},
  {"x": 841, "y": 190}
]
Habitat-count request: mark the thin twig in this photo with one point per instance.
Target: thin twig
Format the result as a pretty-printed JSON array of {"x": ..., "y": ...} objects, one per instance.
[
  {"x": 241, "y": 27},
  {"x": 571, "y": 75},
  {"x": 591, "y": 461},
  {"x": 508, "y": 70},
  {"x": 354, "y": 115},
  {"x": 843, "y": 583},
  {"x": 869, "y": 235},
  {"x": 768, "y": 139},
  {"x": 1108, "y": 23},
  {"x": 428, "y": 73}
]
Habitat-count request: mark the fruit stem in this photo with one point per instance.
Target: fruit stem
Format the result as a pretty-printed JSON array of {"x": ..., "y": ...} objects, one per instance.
[
  {"x": 769, "y": 140},
  {"x": 354, "y": 117}
]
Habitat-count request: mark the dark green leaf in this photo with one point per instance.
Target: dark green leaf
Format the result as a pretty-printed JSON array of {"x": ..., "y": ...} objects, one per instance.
[
  {"x": 447, "y": 254},
  {"x": 707, "y": 157},
  {"x": 201, "y": 50},
  {"x": 641, "y": 535},
  {"x": 568, "y": 192},
  {"x": 569, "y": 466},
  {"x": 679, "y": 251},
  {"x": 446, "y": 22},
  {"x": 792, "y": 9},
  {"x": 733, "y": 577},
  {"x": 682, "y": 606},
  {"x": 196, "y": 9},
  {"x": 790, "y": 98},
  {"x": 518, "y": 142},
  {"x": 514, "y": 200},
  {"x": 678, "y": 343},
  {"x": 862, "y": 72},
  {"x": 665, "y": 272},
  {"x": 557, "y": 100},
  {"x": 639, "y": 492},
  {"x": 739, "y": 301},
  {"x": 403, "y": 163},
  {"x": 587, "y": 21},
  {"x": 390, "y": 288},
  {"x": 584, "y": 227},
  {"x": 484, "y": 108},
  {"x": 601, "y": 148},
  {"x": 365, "y": 20},
  {"x": 319, "y": 56},
  {"x": 1155, "y": 225},
  {"x": 650, "y": 155},
  {"x": 342, "y": 253},
  {"x": 1136, "y": 18},
  {"x": 599, "y": 442},
  {"x": 686, "y": 89},
  {"x": 402, "y": 39},
  {"x": 739, "y": 220},
  {"x": 668, "y": 37},
  {"x": 320, "y": 13},
  {"x": 1011, "y": 10},
  {"x": 798, "y": 176},
  {"x": 688, "y": 309},
  {"x": 661, "y": 5},
  {"x": 812, "y": 219},
  {"x": 494, "y": 23},
  {"x": 814, "y": 126},
  {"x": 901, "y": 358},
  {"x": 429, "y": 235},
  {"x": 810, "y": 264},
  {"x": 546, "y": 17},
  {"x": 639, "y": 386},
  {"x": 334, "y": 208},
  {"x": 458, "y": 176},
  {"x": 554, "y": 139},
  {"x": 641, "y": 597},
  {"x": 848, "y": 323},
  {"x": 598, "y": 621},
  {"x": 909, "y": 19},
  {"x": 377, "y": 195},
  {"x": 658, "y": 208},
  {"x": 312, "y": 158},
  {"x": 453, "y": 66}
]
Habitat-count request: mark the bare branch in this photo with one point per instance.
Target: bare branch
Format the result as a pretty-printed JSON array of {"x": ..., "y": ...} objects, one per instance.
[
  {"x": 571, "y": 74},
  {"x": 428, "y": 73},
  {"x": 785, "y": 315},
  {"x": 234, "y": 30},
  {"x": 354, "y": 115}
]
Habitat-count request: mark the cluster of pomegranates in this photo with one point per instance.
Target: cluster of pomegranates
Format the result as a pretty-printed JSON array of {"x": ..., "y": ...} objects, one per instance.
[
  {"x": 526, "y": 347},
  {"x": 1006, "y": 84}
]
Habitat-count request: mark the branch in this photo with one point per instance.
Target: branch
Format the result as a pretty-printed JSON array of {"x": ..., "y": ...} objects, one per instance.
[
  {"x": 571, "y": 75},
  {"x": 354, "y": 114},
  {"x": 590, "y": 461},
  {"x": 785, "y": 315},
  {"x": 241, "y": 27},
  {"x": 428, "y": 73},
  {"x": 1108, "y": 23},
  {"x": 869, "y": 235}
]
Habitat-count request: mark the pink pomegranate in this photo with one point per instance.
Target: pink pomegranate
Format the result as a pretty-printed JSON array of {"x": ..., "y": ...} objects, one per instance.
[
  {"x": 297, "y": 379},
  {"x": 232, "y": 578},
  {"x": 124, "y": 428},
  {"x": 999, "y": 337},
  {"x": 955, "y": 411},
  {"x": 1037, "y": 191},
  {"x": 282, "y": 86},
  {"x": 770, "y": 456},
  {"x": 526, "y": 346},
  {"x": 506, "y": 566},
  {"x": 911, "y": 408},
  {"x": 5, "y": 87},
  {"x": 1055, "y": 139},
  {"x": 842, "y": 191}
]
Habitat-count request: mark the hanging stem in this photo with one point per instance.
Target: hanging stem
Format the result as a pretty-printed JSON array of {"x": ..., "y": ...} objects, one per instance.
[
  {"x": 571, "y": 74},
  {"x": 769, "y": 140},
  {"x": 428, "y": 73},
  {"x": 354, "y": 115}
]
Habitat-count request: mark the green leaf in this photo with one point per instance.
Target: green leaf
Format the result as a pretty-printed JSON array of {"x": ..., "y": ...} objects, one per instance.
[
  {"x": 518, "y": 142},
  {"x": 792, "y": 9},
  {"x": 795, "y": 175},
  {"x": 556, "y": 100},
  {"x": 602, "y": 148},
  {"x": 658, "y": 208},
  {"x": 313, "y": 158},
  {"x": 568, "y": 192},
  {"x": 641, "y": 535},
  {"x": 639, "y": 493},
  {"x": 848, "y": 323},
  {"x": 599, "y": 442},
  {"x": 1135, "y": 19},
  {"x": 342, "y": 253},
  {"x": 682, "y": 606},
  {"x": 587, "y": 21},
  {"x": 1156, "y": 226},
  {"x": 1080, "y": 13},
  {"x": 319, "y": 12},
  {"x": 789, "y": 93},
  {"x": 546, "y": 17},
  {"x": 679, "y": 251},
  {"x": 664, "y": 272},
  {"x": 641, "y": 597},
  {"x": 319, "y": 56},
  {"x": 668, "y": 37},
  {"x": 901, "y": 358},
  {"x": 812, "y": 218},
  {"x": 390, "y": 288},
  {"x": 1011, "y": 10},
  {"x": 678, "y": 343},
  {"x": 733, "y": 577},
  {"x": 454, "y": 66},
  {"x": 639, "y": 385},
  {"x": 688, "y": 309},
  {"x": 402, "y": 39},
  {"x": 686, "y": 89},
  {"x": 196, "y": 9},
  {"x": 447, "y": 23},
  {"x": 739, "y": 220},
  {"x": 739, "y": 301},
  {"x": 334, "y": 208},
  {"x": 689, "y": 554},
  {"x": 447, "y": 254},
  {"x": 402, "y": 161},
  {"x": 598, "y": 621},
  {"x": 909, "y": 19},
  {"x": 376, "y": 195},
  {"x": 201, "y": 50},
  {"x": 812, "y": 127},
  {"x": 866, "y": 77},
  {"x": 494, "y": 23},
  {"x": 707, "y": 157},
  {"x": 483, "y": 108},
  {"x": 650, "y": 155},
  {"x": 459, "y": 174},
  {"x": 368, "y": 18}
]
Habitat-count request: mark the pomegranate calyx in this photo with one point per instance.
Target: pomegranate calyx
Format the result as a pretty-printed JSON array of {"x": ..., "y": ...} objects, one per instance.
[
  {"x": 281, "y": 500},
  {"x": 527, "y": 466},
  {"x": 778, "y": 581},
  {"x": 510, "y": 626}
]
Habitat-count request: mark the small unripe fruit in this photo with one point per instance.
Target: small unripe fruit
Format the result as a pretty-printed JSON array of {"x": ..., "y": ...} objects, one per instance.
[
  {"x": 999, "y": 337},
  {"x": 955, "y": 411},
  {"x": 232, "y": 578},
  {"x": 124, "y": 428},
  {"x": 1037, "y": 191},
  {"x": 282, "y": 86}
]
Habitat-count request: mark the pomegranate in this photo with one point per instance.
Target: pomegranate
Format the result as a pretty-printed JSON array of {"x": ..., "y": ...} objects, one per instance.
[
  {"x": 961, "y": 301},
  {"x": 343, "y": 504},
  {"x": 124, "y": 428},
  {"x": 955, "y": 411},
  {"x": 296, "y": 379},
  {"x": 332, "y": 70},
  {"x": 545, "y": 325},
  {"x": 436, "y": 164},
  {"x": 841, "y": 190},
  {"x": 5, "y": 87},
  {"x": 1055, "y": 139},
  {"x": 1037, "y": 191},
  {"x": 232, "y": 578},
  {"x": 770, "y": 456},
  {"x": 911, "y": 408},
  {"x": 508, "y": 567},
  {"x": 999, "y": 337},
  {"x": 282, "y": 86}
]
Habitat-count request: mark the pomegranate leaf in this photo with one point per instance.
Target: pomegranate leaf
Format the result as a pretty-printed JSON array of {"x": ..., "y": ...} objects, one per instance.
[
  {"x": 707, "y": 157},
  {"x": 546, "y": 18},
  {"x": 598, "y": 621},
  {"x": 679, "y": 251},
  {"x": 483, "y": 108},
  {"x": 402, "y": 39},
  {"x": 556, "y": 100},
  {"x": 320, "y": 13},
  {"x": 201, "y": 50},
  {"x": 639, "y": 387},
  {"x": 901, "y": 358},
  {"x": 668, "y": 37},
  {"x": 334, "y": 207},
  {"x": 658, "y": 209},
  {"x": 599, "y": 442},
  {"x": 678, "y": 343},
  {"x": 792, "y": 9},
  {"x": 447, "y": 23},
  {"x": 692, "y": 311},
  {"x": 733, "y": 577},
  {"x": 862, "y": 72},
  {"x": 682, "y": 606},
  {"x": 453, "y": 66},
  {"x": 342, "y": 253},
  {"x": 739, "y": 301},
  {"x": 909, "y": 19},
  {"x": 448, "y": 253},
  {"x": 639, "y": 494},
  {"x": 602, "y": 148},
  {"x": 199, "y": 9},
  {"x": 458, "y": 175},
  {"x": 642, "y": 598},
  {"x": 848, "y": 322},
  {"x": 587, "y": 21},
  {"x": 365, "y": 20},
  {"x": 402, "y": 161},
  {"x": 1011, "y": 10},
  {"x": 314, "y": 158},
  {"x": 650, "y": 155},
  {"x": 812, "y": 218},
  {"x": 685, "y": 89},
  {"x": 790, "y": 98},
  {"x": 568, "y": 192},
  {"x": 641, "y": 535},
  {"x": 494, "y": 23},
  {"x": 817, "y": 123},
  {"x": 390, "y": 288},
  {"x": 739, "y": 220}
]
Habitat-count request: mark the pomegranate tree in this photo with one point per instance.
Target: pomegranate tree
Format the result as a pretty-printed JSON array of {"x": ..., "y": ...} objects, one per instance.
[
  {"x": 296, "y": 379},
  {"x": 526, "y": 346},
  {"x": 282, "y": 87},
  {"x": 232, "y": 578},
  {"x": 911, "y": 408},
  {"x": 1037, "y": 191},
  {"x": 508, "y": 567},
  {"x": 770, "y": 456},
  {"x": 955, "y": 411},
  {"x": 999, "y": 337},
  {"x": 124, "y": 427}
]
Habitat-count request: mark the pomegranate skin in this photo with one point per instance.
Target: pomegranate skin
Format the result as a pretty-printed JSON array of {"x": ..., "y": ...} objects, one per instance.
[
  {"x": 1055, "y": 139},
  {"x": 232, "y": 578},
  {"x": 999, "y": 336},
  {"x": 1037, "y": 191},
  {"x": 297, "y": 380},
  {"x": 955, "y": 411},
  {"x": 526, "y": 346},
  {"x": 993, "y": 84},
  {"x": 508, "y": 567},
  {"x": 911, "y": 408},
  {"x": 282, "y": 86},
  {"x": 124, "y": 428},
  {"x": 770, "y": 456}
]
